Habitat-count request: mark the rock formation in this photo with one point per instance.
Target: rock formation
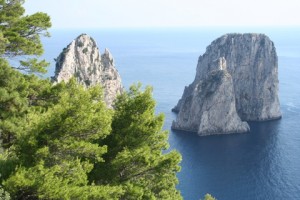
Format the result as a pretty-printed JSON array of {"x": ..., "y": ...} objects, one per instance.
[
  {"x": 81, "y": 59},
  {"x": 242, "y": 86}
]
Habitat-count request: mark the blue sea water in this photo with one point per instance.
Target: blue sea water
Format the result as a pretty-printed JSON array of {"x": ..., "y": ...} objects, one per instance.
[{"x": 263, "y": 164}]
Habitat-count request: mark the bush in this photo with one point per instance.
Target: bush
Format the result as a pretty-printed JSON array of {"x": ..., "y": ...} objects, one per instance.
[
  {"x": 209, "y": 197},
  {"x": 3, "y": 194},
  {"x": 84, "y": 50}
]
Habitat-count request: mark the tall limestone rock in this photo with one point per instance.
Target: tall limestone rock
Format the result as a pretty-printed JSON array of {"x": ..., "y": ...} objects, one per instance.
[
  {"x": 210, "y": 109},
  {"x": 81, "y": 59},
  {"x": 251, "y": 62}
]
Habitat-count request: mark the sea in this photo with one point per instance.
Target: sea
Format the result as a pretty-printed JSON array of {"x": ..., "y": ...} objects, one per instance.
[{"x": 261, "y": 165}]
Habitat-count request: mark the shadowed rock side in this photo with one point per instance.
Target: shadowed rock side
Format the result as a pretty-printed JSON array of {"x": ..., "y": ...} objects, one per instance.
[
  {"x": 251, "y": 61},
  {"x": 210, "y": 108},
  {"x": 82, "y": 59}
]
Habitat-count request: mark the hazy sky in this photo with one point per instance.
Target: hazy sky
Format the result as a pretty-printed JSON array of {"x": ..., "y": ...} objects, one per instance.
[{"x": 170, "y": 13}]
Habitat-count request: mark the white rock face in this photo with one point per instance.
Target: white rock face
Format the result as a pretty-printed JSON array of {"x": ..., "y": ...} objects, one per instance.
[
  {"x": 251, "y": 62},
  {"x": 210, "y": 108},
  {"x": 81, "y": 59}
]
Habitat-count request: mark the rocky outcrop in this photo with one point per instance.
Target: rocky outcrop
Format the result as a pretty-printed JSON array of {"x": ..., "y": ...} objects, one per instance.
[
  {"x": 210, "y": 109},
  {"x": 247, "y": 86},
  {"x": 81, "y": 59}
]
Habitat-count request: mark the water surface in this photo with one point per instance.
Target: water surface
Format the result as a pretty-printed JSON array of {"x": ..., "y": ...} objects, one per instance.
[{"x": 263, "y": 164}]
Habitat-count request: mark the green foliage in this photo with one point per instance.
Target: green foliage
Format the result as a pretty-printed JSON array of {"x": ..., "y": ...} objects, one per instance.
[
  {"x": 71, "y": 146},
  {"x": 80, "y": 44},
  {"x": 135, "y": 159},
  {"x": 3, "y": 194},
  {"x": 209, "y": 197},
  {"x": 69, "y": 128},
  {"x": 20, "y": 34},
  {"x": 18, "y": 92},
  {"x": 66, "y": 181},
  {"x": 33, "y": 65},
  {"x": 62, "y": 142},
  {"x": 84, "y": 50},
  {"x": 57, "y": 147}
]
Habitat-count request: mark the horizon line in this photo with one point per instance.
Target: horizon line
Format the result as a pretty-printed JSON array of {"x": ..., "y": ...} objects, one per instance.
[{"x": 180, "y": 27}]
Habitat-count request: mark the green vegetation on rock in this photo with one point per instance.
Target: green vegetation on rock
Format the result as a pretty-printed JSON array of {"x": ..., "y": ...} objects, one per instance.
[{"x": 209, "y": 197}]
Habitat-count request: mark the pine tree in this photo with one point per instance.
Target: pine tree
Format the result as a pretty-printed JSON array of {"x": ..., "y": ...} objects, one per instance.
[
  {"x": 61, "y": 141},
  {"x": 19, "y": 38},
  {"x": 135, "y": 158},
  {"x": 57, "y": 148},
  {"x": 18, "y": 92},
  {"x": 20, "y": 35}
]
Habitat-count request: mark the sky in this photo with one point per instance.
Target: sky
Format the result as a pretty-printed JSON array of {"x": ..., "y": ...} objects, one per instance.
[{"x": 167, "y": 13}]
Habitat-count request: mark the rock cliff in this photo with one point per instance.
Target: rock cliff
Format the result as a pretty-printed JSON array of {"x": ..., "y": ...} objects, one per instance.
[
  {"x": 248, "y": 87},
  {"x": 82, "y": 59}
]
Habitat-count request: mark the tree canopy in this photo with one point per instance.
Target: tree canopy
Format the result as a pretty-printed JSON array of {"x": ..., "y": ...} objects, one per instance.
[
  {"x": 71, "y": 146},
  {"x": 20, "y": 35},
  {"x": 61, "y": 141},
  {"x": 57, "y": 147},
  {"x": 135, "y": 158}
]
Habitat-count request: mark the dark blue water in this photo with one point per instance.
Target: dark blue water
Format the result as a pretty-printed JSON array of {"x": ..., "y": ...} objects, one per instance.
[{"x": 263, "y": 164}]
